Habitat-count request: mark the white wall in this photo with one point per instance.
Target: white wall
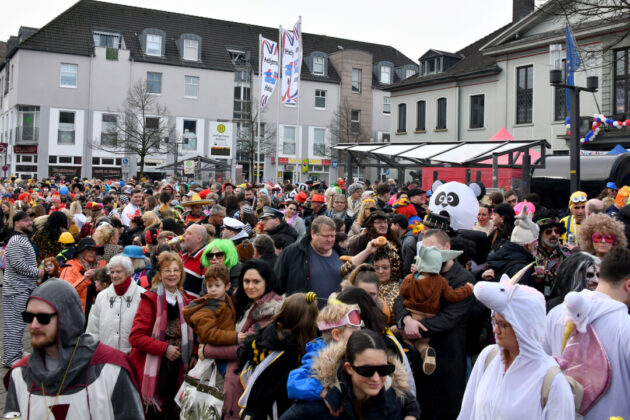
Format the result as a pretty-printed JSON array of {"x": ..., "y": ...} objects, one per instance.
[{"x": 75, "y": 149}]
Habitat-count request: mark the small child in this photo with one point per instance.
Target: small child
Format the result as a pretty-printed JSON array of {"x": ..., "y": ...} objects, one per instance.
[
  {"x": 69, "y": 246},
  {"x": 51, "y": 268},
  {"x": 337, "y": 321},
  {"x": 101, "y": 280},
  {"x": 423, "y": 293},
  {"x": 212, "y": 317}
]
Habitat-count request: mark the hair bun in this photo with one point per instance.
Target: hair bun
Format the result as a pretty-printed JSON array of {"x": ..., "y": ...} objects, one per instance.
[{"x": 311, "y": 297}]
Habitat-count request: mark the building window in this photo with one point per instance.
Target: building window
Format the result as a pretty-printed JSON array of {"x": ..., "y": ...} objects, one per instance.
[
  {"x": 154, "y": 45},
  {"x": 441, "y": 114},
  {"x": 68, "y": 75},
  {"x": 386, "y": 137},
  {"x": 96, "y": 161},
  {"x": 421, "y": 112},
  {"x": 318, "y": 65},
  {"x": 28, "y": 120},
  {"x": 355, "y": 121},
  {"x": 65, "y": 159},
  {"x": 320, "y": 99},
  {"x": 319, "y": 142},
  {"x": 477, "y": 103},
  {"x": 107, "y": 161},
  {"x": 191, "y": 49},
  {"x": 409, "y": 73},
  {"x": 431, "y": 65},
  {"x": 65, "y": 133},
  {"x": 189, "y": 138},
  {"x": 151, "y": 124},
  {"x": 560, "y": 111},
  {"x": 524, "y": 94},
  {"x": 288, "y": 141},
  {"x": 191, "y": 86},
  {"x": 242, "y": 76},
  {"x": 109, "y": 129},
  {"x": 12, "y": 73},
  {"x": 386, "y": 75},
  {"x": 387, "y": 105},
  {"x": 622, "y": 81},
  {"x": 356, "y": 80},
  {"x": 402, "y": 117},
  {"x": 242, "y": 104},
  {"x": 107, "y": 40},
  {"x": 154, "y": 82}
]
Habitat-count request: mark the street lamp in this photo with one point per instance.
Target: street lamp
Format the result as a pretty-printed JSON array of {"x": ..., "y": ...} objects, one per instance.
[{"x": 556, "y": 79}]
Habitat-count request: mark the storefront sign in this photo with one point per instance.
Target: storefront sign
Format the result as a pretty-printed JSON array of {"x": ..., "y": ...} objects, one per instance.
[
  {"x": 221, "y": 138},
  {"x": 25, "y": 149},
  {"x": 67, "y": 171},
  {"x": 106, "y": 173}
]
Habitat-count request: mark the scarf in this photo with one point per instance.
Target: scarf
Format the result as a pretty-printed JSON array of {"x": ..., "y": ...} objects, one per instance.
[
  {"x": 152, "y": 361},
  {"x": 122, "y": 288},
  {"x": 86, "y": 265}
]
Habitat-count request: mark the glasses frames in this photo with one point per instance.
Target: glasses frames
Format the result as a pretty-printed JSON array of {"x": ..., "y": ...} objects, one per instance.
[
  {"x": 42, "y": 318},
  {"x": 368, "y": 371},
  {"x": 601, "y": 238}
]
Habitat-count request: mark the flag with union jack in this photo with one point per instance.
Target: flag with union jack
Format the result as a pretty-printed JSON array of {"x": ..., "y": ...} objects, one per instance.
[
  {"x": 291, "y": 63},
  {"x": 269, "y": 69}
]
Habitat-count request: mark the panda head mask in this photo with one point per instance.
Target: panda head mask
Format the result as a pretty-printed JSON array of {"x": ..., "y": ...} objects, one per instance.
[{"x": 458, "y": 201}]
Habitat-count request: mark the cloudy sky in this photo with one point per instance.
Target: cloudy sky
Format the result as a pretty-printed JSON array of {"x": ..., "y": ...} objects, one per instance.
[{"x": 411, "y": 26}]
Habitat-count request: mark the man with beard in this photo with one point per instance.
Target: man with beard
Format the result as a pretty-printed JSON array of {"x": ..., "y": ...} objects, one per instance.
[
  {"x": 549, "y": 254},
  {"x": 20, "y": 278},
  {"x": 69, "y": 375},
  {"x": 377, "y": 224}
]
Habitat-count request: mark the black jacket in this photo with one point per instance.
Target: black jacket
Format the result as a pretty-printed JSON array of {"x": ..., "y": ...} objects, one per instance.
[
  {"x": 284, "y": 234},
  {"x": 292, "y": 266},
  {"x": 509, "y": 259},
  {"x": 311, "y": 216},
  {"x": 441, "y": 393},
  {"x": 408, "y": 251}
]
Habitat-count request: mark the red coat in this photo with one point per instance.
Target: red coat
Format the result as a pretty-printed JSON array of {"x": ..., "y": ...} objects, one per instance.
[{"x": 140, "y": 336}]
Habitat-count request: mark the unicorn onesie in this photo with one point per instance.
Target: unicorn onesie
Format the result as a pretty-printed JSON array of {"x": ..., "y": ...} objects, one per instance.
[{"x": 492, "y": 392}]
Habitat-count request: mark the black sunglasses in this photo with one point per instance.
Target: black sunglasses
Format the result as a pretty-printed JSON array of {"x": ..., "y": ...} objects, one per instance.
[
  {"x": 212, "y": 255},
  {"x": 369, "y": 370},
  {"x": 42, "y": 318}
]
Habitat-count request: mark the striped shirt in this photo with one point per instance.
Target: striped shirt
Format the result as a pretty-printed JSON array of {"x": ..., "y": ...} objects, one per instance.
[
  {"x": 194, "y": 271},
  {"x": 21, "y": 271}
]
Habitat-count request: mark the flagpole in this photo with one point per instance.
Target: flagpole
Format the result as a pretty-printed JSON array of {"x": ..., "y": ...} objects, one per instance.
[
  {"x": 279, "y": 81},
  {"x": 260, "y": 58},
  {"x": 297, "y": 100}
]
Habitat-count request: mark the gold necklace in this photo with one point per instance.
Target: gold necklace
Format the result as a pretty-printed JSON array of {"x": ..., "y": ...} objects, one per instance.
[{"x": 63, "y": 380}]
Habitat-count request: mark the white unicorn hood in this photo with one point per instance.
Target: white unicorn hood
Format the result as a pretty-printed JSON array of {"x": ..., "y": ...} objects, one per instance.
[{"x": 522, "y": 306}]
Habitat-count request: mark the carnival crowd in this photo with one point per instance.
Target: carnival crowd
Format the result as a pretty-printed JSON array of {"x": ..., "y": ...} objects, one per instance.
[{"x": 312, "y": 301}]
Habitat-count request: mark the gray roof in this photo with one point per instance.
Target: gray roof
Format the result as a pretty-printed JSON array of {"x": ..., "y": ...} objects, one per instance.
[
  {"x": 473, "y": 62},
  {"x": 3, "y": 50},
  {"x": 71, "y": 33}
]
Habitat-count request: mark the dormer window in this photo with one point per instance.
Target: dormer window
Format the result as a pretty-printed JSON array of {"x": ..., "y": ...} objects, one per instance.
[
  {"x": 154, "y": 45},
  {"x": 386, "y": 75},
  {"x": 238, "y": 57},
  {"x": 431, "y": 66},
  {"x": 318, "y": 65},
  {"x": 191, "y": 49},
  {"x": 108, "y": 40},
  {"x": 409, "y": 73}
]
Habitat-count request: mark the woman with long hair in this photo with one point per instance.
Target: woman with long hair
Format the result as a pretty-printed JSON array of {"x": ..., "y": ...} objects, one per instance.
[
  {"x": 282, "y": 340},
  {"x": 46, "y": 240},
  {"x": 503, "y": 221},
  {"x": 362, "y": 382},
  {"x": 577, "y": 272},
  {"x": 367, "y": 207},
  {"x": 292, "y": 217},
  {"x": 161, "y": 341},
  {"x": 107, "y": 236}
]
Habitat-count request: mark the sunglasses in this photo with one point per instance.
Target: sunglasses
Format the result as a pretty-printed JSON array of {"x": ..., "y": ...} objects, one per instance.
[
  {"x": 369, "y": 370},
  {"x": 579, "y": 199},
  {"x": 600, "y": 237},
  {"x": 552, "y": 230},
  {"x": 213, "y": 255},
  {"x": 42, "y": 318},
  {"x": 351, "y": 319}
]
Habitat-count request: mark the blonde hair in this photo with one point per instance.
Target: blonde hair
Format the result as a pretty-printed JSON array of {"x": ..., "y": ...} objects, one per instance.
[
  {"x": 602, "y": 223},
  {"x": 150, "y": 219},
  {"x": 103, "y": 234},
  {"x": 333, "y": 312},
  {"x": 364, "y": 205},
  {"x": 75, "y": 207}
]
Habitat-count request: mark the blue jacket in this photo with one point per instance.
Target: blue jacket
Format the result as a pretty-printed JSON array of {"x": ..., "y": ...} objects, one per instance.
[{"x": 301, "y": 384}]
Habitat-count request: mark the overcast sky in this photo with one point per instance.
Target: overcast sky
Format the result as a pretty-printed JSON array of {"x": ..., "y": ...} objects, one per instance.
[{"x": 411, "y": 26}]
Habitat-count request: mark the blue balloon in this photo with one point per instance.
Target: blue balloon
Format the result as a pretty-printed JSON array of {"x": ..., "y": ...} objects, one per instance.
[
  {"x": 63, "y": 190},
  {"x": 122, "y": 183}
]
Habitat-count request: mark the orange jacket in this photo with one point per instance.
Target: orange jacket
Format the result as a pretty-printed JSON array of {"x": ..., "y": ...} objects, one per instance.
[{"x": 72, "y": 272}]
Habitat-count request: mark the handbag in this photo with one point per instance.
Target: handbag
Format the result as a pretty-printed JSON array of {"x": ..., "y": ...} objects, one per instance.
[{"x": 198, "y": 396}]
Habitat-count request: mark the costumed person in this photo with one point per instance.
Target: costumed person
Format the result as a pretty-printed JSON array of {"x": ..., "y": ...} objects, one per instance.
[
  {"x": 424, "y": 291},
  {"x": 578, "y": 272},
  {"x": 69, "y": 375},
  {"x": 80, "y": 270},
  {"x": 577, "y": 207},
  {"x": 51, "y": 268},
  {"x": 508, "y": 377},
  {"x": 195, "y": 213}
]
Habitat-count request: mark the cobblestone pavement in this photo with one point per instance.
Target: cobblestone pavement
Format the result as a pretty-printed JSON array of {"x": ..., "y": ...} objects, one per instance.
[{"x": 3, "y": 371}]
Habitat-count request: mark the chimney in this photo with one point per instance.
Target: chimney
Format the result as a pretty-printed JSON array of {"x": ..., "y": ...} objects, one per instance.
[{"x": 521, "y": 8}]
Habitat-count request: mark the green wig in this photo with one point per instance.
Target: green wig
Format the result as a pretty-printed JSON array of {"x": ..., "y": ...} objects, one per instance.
[{"x": 223, "y": 245}]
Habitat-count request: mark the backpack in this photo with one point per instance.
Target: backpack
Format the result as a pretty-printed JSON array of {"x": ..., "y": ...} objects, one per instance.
[{"x": 576, "y": 388}]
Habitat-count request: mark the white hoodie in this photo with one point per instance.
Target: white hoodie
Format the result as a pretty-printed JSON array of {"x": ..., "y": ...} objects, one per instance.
[
  {"x": 493, "y": 393},
  {"x": 611, "y": 322}
]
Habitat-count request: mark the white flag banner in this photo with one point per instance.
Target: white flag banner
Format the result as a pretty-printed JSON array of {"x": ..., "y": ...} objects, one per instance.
[
  {"x": 291, "y": 63},
  {"x": 269, "y": 72}
]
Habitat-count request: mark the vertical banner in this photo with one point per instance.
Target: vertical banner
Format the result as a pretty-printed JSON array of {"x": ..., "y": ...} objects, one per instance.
[
  {"x": 269, "y": 69},
  {"x": 573, "y": 62},
  {"x": 291, "y": 63}
]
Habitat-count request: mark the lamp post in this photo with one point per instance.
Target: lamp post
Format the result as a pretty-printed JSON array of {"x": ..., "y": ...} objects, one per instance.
[
  {"x": 176, "y": 143},
  {"x": 556, "y": 79}
]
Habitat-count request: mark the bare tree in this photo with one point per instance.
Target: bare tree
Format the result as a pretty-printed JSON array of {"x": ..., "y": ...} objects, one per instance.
[
  {"x": 247, "y": 138},
  {"x": 343, "y": 130},
  {"x": 139, "y": 128}
]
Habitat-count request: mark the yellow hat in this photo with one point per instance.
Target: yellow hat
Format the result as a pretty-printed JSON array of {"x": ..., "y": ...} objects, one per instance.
[
  {"x": 66, "y": 238},
  {"x": 577, "y": 197}
]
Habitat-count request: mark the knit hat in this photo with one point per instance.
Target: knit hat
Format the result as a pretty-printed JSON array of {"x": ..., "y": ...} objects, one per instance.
[
  {"x": 430, "y": 259},
  {"x": 577, "y": 197},
  {"x": 353, "y": 187},
  {"x": 525, "y": 230}
]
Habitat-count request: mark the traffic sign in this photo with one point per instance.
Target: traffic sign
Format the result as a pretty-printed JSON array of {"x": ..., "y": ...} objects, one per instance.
[
  {"x": 5, "y": 168},
  {"x": 125, "y": 161},
  {"x": 334, "y": 164}
]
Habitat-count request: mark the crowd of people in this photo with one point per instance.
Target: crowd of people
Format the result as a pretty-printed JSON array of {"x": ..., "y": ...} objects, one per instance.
[{"x": 353, "y": 301}]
